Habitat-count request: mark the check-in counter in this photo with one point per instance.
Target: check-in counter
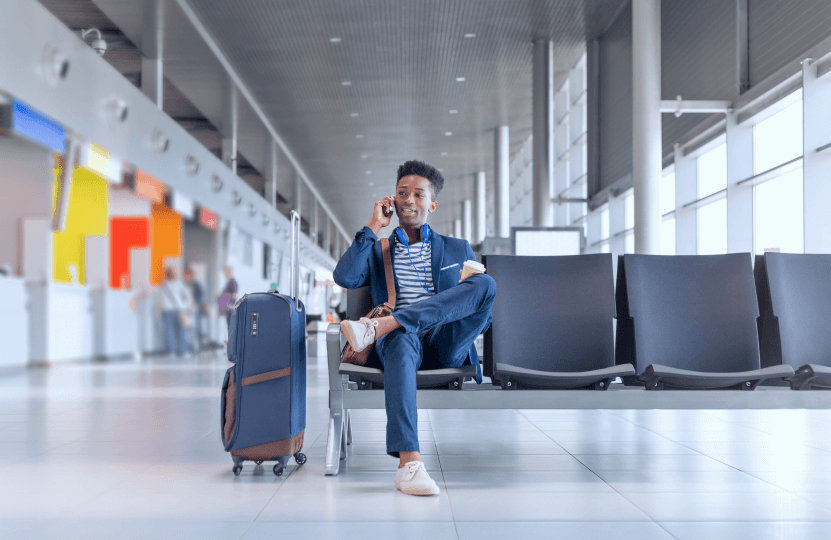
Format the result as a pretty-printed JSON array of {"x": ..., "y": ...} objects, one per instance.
[
  {"x": 14, "y": 322},
  {"x": 61, "y": 322},
  {"x": 116, "y": 328}
]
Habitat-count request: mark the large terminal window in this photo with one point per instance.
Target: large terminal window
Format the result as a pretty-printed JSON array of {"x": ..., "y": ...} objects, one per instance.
[
  {"x": 667, "y": 193},
  {"x": 778, "y": 199},
  {"x": 712, "y": 216}
]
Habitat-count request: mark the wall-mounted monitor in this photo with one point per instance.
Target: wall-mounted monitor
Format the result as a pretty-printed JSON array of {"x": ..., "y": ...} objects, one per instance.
[{"x": 543, "y": 241}]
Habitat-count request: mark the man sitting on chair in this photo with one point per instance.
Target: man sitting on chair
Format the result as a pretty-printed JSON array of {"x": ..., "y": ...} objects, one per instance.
[{"x": 437, "y": 316}]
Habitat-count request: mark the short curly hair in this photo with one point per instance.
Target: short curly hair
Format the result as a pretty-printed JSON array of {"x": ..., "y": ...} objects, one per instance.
[{"x": 419, "y": 168}]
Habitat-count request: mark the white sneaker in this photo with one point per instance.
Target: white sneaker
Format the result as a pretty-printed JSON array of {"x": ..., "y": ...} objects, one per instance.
[
  {"x": 360, "y": 334},
  {"x": 413, "y": 479}
]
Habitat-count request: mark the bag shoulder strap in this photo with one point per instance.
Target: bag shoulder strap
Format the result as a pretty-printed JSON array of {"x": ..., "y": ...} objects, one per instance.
[{"x": 385, "y": 250}]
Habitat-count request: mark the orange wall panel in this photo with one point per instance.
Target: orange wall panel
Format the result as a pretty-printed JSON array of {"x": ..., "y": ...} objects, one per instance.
[
  {"x": 165, "y": 239},
  {"x": 126, "y": 233}
]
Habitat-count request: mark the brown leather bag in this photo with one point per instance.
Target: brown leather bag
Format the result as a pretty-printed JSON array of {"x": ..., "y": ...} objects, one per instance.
[{"x": 360, "y": 358}]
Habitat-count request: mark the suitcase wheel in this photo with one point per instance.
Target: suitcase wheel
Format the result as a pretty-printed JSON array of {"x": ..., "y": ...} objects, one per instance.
[
  {"x": 278, "y": 469},
  {"x": 237, "y": 470},
  {"x": 299, "y": 458}
]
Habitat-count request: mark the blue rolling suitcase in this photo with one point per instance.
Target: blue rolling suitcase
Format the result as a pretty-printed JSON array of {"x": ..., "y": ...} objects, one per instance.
[{"x": 264, "y": 392}]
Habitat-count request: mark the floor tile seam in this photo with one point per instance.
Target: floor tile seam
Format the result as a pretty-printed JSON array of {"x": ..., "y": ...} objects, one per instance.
[{"x": 754, "y": 474}]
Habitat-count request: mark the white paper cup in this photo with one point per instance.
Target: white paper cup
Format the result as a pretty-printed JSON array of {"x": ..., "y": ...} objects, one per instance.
[{"x": 472, "y": 267}]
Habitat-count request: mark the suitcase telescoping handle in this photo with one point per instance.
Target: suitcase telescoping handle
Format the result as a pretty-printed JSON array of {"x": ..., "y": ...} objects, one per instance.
[{"x": 295, "y": 258}]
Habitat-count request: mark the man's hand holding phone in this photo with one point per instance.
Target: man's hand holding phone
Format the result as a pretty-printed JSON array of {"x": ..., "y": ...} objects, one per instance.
[{"x": 382, "y": 214}]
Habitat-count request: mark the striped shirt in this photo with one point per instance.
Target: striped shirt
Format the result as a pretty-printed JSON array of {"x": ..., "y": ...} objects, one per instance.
[{"x": 411, "y": 283}]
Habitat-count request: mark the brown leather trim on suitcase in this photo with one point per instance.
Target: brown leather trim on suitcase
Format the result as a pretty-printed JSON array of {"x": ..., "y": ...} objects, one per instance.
[
  {"x": 267, "y": 376},
  {"x": 230, "y": 409},
  {"x": 269, "y": 451}
]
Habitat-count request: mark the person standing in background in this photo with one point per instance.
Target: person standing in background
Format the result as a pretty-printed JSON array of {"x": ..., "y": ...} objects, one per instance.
[
  {"x": 229, "y": 295},
  {"x": 173, "y": 301},
  {"x": 198, "y": 297}
]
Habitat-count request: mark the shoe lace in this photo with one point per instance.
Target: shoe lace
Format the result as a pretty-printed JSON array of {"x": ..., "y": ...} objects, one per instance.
[
  {"x": 413, "y": 468},
  {"x": 369, "y": 327}
]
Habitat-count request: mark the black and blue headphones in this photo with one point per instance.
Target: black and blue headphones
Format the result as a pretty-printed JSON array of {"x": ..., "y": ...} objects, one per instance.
[{"x": 425, "y": 237}]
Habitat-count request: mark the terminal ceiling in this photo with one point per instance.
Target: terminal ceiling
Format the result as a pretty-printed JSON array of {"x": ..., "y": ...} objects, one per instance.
[{"x": 351, "y": 110}]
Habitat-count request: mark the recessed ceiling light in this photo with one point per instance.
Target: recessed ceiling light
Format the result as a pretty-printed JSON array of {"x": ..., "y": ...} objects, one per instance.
[
  {"x": 370, "y": 184},
  {"x": 460, "y": 79},
  {"x": 337, "y": 40},
  {"x": 364, "y": 156},
  {"x": 448, "y": 133},
  {"x": 359, "y": 136},
  {"x": 348, "y": 83},
  {"x": 374, "y": 194},
  {"x": 354, "y": 114},
  {"x": 441, "y": 170},
  {"x": 444, "y": 153},
  {"x": 368, "y": 172},
  {"x": 470, "y": 35},
  {"x": 453, "y": 111}
]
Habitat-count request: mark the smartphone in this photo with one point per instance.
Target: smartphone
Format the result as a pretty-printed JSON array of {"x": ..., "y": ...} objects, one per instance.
[{"x": 388, "y": 210}]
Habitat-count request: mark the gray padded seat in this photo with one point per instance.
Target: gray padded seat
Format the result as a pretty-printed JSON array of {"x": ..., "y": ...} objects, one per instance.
[
  {"x": 689, "y": 322},
  {"x": 552, "y": 323},
  {"x": 795, "y": 326},
  {"x": 369, "y": 376}
]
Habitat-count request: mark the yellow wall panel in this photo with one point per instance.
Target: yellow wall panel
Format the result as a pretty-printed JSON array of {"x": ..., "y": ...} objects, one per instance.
[{"x": 87, "y": 215}]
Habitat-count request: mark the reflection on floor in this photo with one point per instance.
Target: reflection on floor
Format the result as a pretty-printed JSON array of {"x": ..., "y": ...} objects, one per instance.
[{"x": 132, "y": 450}]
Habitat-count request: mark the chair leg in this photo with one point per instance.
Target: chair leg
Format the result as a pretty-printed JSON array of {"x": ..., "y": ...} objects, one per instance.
[
  {"x": 344, "y": 448},
  {"x": 334, "y": 442},
  {"x": 348, "y": 427}
]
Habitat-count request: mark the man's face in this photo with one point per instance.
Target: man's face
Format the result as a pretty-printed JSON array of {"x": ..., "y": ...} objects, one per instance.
[
  {"x": 413, "y": 200},
  {"x": 228, "y": 273},
  {"x": 188, "y": 276}
]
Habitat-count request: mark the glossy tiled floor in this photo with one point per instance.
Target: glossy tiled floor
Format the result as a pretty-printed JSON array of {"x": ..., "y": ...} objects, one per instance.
[{"x": 132, "y": 450}]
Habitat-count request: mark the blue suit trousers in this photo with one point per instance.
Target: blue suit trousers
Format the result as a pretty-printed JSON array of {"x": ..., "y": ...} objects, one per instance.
[{"x": 436, "y": 333}]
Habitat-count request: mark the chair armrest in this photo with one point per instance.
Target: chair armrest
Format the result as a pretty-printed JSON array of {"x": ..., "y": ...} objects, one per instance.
[{"x": 334, "y": 345}]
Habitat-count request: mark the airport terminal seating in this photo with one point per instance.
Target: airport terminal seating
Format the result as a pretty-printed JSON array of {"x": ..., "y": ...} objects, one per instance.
[
  {"x": 693, "y": 319},
  {"x": 690, "y": 322},
  {"x": 794, "y": 292},
  {"x": 553, "y": 323}
]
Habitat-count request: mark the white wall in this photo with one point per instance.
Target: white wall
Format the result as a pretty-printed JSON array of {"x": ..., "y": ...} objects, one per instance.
[{"x": 25, "y": 192}]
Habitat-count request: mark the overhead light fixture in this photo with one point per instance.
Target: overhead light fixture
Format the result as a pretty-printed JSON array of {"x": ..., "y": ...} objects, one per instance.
[
  {"x": 354, "y": 115},
  {"x": 98, "y": 45},
  {"x": 448, "y": 133},
  {"x": 334, "y": 40},
  {"x": 460, "y": 79},
  {"x": 359, "y": 136},
  {"x": 191, "y": 165},
  {"x": 444, "y": 153},
  {"x": 470, "y": 35},
  {"x": 368, "y": 172},
  {"x": 346, "y": 83},
  {"x": 364, "y": 156},
  {"x": 370, "y": 184},
  {"x": 453, "y": 111}
]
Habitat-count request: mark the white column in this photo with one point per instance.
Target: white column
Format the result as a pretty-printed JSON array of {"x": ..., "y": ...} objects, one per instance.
[
  {"x": 542, "y": 93},
  {"x": 467, "y": 220},
  {"x": 152, "y": 63},
  {"x": 457, "y": 228},
  {"x": 230, "y": 127},
  {"x": 271, "y": 173},
  {"x": 481, "y": 206},
  {"x": 327, "y": 236},
  {"x": 297, "y": 195},
  {"x": 502, "y": 183},
  {"x": 646, "y": 123},
  {"x": 739, "y": 198},
  {"x": 313, "y": 220},
  {"x": 816, "y": 95}
]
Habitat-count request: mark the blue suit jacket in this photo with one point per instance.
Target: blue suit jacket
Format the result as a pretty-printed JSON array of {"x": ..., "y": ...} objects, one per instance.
[{"x": 363, "y": 264}]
